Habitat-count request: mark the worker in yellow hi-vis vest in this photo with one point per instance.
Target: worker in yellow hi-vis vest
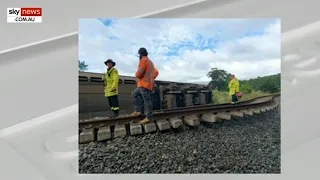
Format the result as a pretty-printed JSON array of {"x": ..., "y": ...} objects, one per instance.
[
  {"x": 111, "y": 80},
  {"x": 234, "y": 86}
]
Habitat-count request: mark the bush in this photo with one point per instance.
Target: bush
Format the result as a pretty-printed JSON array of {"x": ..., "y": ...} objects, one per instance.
[
  {"x": 246, "y": 88},
  {"x": 221, "y": 97}
]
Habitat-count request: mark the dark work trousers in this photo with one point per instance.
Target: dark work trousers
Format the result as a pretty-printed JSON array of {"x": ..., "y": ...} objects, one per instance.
[
  {"x": 234, "y": 98},
  {"x": 141, "y": 96},
  {"x": 114, "y": 104}
]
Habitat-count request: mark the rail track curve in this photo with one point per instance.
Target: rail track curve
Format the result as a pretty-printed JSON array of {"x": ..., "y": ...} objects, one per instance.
[{"x": 108, "y": 128}]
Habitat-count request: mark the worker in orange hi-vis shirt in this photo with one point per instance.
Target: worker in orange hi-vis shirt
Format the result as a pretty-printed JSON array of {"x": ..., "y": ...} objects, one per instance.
[{"x": 146, "y": 75}]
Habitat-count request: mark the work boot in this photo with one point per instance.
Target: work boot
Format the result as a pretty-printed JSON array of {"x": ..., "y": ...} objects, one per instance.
[
  {"x": 116, "y": 113},
  {"x": 144, "y": 121},
  {"x": 136, "y": 114}
]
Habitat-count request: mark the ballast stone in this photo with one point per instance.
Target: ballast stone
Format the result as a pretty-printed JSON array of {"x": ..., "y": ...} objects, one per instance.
[
  {"x": 104, "y": 133},
  {"x": 119, "y": 131},
  {"x": 87, "y": 135},
  {"x": 135, "y": 129},
  {"x": 258, "y": 129}
]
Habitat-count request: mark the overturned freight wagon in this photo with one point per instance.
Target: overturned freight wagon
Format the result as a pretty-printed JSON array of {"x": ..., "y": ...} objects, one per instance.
[{"x": 166, "y": 95}]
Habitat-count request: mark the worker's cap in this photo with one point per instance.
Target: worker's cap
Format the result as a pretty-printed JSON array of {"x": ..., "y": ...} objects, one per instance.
[
  {"x": 110, "y": 61},
  {"x": 143, "y": 51}
]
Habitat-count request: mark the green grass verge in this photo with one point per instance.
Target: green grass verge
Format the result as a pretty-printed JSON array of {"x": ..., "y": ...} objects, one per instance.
[{"x": 221, "y": 97}]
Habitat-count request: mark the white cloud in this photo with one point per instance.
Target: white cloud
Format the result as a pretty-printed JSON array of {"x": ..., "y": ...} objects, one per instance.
[{"x": 191, "y": 57}]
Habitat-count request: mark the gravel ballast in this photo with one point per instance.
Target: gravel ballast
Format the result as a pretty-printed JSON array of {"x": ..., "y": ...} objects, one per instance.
[{"x": 242, "y": 145}]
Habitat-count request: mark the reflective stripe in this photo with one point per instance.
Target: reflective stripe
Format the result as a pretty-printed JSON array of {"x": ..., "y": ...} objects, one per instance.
[
  {"x": 116, "y": 108},
  {"x": 149, "y": 74},
  {"x": 151, "y": 67},
  {"x": 147, "y": 81},
  {"x": 108, "y": 72},
  {"x": 141, "y": 70},
  {"x": 111, "y": 108}
]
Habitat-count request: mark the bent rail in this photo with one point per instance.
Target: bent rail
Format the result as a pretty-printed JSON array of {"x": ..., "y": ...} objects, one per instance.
[{"x": 180, "y": 112}]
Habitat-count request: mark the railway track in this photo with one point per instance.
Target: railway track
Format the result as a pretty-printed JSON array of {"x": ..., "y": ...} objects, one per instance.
[{"x": 108, "y": 128}]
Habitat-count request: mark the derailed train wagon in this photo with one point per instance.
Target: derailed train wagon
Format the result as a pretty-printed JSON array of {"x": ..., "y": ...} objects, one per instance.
[{"x": 166, "y": 95}]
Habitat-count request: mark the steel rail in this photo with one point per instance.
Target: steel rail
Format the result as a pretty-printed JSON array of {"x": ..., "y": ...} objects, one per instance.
[
  {"x": 217, "y": 105},
  {"x": 179, "y": 113}
]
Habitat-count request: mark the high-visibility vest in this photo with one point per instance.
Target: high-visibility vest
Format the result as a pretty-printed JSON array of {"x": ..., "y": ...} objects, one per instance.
[
  {"x": 234, "y": 86},
  {"x": 146, "y": 73},
  {"x": 111, "y": 80}
]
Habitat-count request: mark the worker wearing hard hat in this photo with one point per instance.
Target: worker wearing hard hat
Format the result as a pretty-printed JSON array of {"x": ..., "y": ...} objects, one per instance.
[
  {"x": 146, "y": 74},
  {"x": 111, "y": 79},
  {"x": 234, "y": 86}
]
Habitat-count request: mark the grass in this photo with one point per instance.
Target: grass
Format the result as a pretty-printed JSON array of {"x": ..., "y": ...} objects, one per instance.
[{"x": 224, "y": 97}]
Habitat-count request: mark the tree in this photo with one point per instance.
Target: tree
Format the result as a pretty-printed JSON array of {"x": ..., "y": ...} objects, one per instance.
[
  {"x": 246, "y": 88},
  {"x": 219, "y": 79},
  {"x": 82, "y": 66},
  {"x": 271, "y": 83},
  {"x": 268, "y": 84}
]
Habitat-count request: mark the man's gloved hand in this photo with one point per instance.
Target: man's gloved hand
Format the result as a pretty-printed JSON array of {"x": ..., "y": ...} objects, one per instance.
[
  {"x": 114, "y": 89},
  {"x": 239, "y": 94}
]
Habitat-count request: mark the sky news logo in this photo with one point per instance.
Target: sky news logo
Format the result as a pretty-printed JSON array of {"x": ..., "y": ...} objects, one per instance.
[{"x": 24, "y": 15}]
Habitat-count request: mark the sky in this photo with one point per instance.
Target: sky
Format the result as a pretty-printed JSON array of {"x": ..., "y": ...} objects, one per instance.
[{"x": 183, "y": 50}]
